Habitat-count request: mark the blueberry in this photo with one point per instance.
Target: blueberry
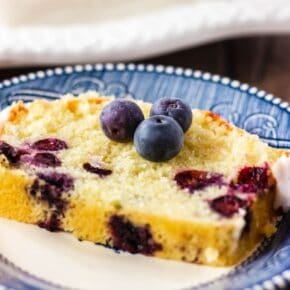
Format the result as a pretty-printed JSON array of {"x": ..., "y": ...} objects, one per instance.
[
  {"x": 119, "y": 120},
  {"x": 45, "y": 159},
  {"x": 49, "y": 144},
  {"x": 158, "y": 138},
  {"x": 174, "y": 108},
  {"x": 50, "y": 186},
  {"x": 131, "y": 238},
  {"x": 63, "y": 182},
  {"x": 102, "y": 172},
  {"x": 228, "y": 205},
  {"x": 196, "y": 179},
  {"x": 9, "y": 152}
]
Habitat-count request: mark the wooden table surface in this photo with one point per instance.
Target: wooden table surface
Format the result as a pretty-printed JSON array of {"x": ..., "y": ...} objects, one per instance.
[{"x": 262, "y": 61}]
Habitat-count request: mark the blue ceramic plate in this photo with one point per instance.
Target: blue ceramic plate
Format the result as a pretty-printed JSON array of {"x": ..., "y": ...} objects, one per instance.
[{"x": 247, "y": 107}]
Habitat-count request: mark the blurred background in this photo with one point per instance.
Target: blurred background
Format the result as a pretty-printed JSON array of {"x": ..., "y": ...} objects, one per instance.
[{"x": 244, "y": 40}]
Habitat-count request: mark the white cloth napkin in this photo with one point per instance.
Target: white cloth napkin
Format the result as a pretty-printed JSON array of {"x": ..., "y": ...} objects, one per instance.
[
  {"x": 34, "y": 32},
  {"x": 17, "y": 13}
]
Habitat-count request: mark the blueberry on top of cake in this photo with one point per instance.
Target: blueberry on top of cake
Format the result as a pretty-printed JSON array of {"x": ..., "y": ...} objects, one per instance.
[{"x": 186, "y": 186}]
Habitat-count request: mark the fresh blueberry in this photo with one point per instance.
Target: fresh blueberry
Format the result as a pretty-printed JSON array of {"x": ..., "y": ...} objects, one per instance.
[
  {"x": 174, "y": 108},
  {"x": 158, "y": 138},
  {"x": 119, "y": 120}
]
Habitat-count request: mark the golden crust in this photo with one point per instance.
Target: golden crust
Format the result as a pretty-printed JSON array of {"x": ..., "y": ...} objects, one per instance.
[
  {"x": 73, "y": 104},
  {"x": 1, "y": 129},
  {"x": 214, "y": 117},
  {"x": 17, "y": 111}
]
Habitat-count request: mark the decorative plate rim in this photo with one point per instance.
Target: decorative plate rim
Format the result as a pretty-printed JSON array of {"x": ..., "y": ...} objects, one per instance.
[
  {"x": 162, "y": 69},
  {"x": 276, "y": 282}
]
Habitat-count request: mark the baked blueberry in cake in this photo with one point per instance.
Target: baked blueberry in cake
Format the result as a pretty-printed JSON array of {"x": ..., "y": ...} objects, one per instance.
[{"x": 164, "y": 181}]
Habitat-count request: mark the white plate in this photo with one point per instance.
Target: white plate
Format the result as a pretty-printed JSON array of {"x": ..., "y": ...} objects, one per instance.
[
  {"x": 59, "y": 258},
  {"x": 132, "y": 37},
  {"x": 83, "y": 265}
]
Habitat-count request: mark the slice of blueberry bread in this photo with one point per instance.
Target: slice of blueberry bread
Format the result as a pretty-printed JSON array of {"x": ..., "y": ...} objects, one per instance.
[{"x": 211, "y": 204}]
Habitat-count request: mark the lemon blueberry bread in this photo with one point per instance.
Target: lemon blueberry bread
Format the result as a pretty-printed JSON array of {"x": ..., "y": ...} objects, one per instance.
[{"x": 210, "y": 204}]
